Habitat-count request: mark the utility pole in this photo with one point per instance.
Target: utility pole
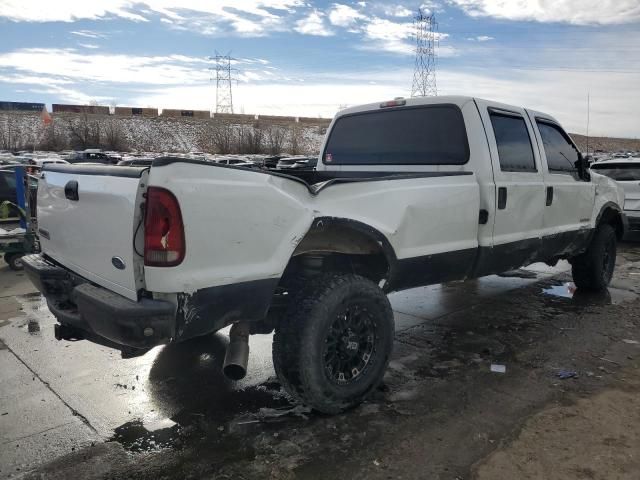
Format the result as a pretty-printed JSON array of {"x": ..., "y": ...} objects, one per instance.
[
  {"x": 223, "y": 79},
  {"x": 424, "y": 73},
  {"x": 588, "y": 118}
]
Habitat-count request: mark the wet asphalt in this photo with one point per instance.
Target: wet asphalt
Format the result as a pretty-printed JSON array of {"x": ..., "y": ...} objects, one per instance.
[{"x": 172, "y": 413}]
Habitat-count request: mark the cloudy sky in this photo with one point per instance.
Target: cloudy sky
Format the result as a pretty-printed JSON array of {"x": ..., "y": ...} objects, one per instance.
[{"x": 304, "y": 57}]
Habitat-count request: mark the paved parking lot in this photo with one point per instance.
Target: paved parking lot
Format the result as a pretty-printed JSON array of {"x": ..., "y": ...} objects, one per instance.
[{"x": 78, "y": 410}]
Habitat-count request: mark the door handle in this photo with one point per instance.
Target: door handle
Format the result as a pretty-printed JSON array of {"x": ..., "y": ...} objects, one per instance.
[
  {"x": 502, "y": 198},
  {"x": 549, "y": 196}
]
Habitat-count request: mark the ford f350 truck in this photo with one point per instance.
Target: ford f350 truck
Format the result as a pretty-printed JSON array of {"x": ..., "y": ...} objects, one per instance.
[{"x": 406, "y": 193}]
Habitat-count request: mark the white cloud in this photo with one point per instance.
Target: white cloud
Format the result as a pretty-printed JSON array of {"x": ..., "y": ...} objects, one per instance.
[
  {"x": 117, "y": 68},
  {"x": 245, "y": 17},
  {"x": 90, "y": 46},
  {"x": 394, "y": 37},
  {"x": 397, "y": 11},
  {"x": 313, "y": 24},
  {"x": 481, "y": 38},
  {"x": 88, "y": 34},
  {"x": 344, "y": 15},
  {"x": 579, "y": 12}
]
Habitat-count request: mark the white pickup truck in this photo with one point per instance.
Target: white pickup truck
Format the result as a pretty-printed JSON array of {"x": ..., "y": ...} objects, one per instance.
[{"x": 406, "y": 193}]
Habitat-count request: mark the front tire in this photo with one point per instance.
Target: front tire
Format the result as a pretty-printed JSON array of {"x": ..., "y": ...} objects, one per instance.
[
  {"x": 333, "y": 345},
  {"x": 593, "y": 269}
]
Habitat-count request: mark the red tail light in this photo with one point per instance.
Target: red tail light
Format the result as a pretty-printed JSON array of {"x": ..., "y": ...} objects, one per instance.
[{"x": 164, "y": 244}]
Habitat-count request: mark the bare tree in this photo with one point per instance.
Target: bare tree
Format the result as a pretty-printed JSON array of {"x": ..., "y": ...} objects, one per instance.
[
  {"x": 114, "y": 138},
  {"x": 217, "y": 137},
  {"x": 54, "y": 138},
  {"x": 276, "y": 136},
  {"x": 84, "y": 132},
  {"x": 8, "y": 133},
  {"x": 296, "y": 139},
  {"x": 250, "y": 139}
]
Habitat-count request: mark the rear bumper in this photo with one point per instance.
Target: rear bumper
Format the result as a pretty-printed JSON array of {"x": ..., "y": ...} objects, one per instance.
[{"x": 99, "y": 314}]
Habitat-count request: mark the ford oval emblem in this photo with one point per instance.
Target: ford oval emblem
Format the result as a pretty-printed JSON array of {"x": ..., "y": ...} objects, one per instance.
[{"x": 118, "y": 263}]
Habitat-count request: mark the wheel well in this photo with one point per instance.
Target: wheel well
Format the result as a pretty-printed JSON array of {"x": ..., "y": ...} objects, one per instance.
[
  {"x": 612, "y": 217},
  {"x": 340, "y": 246}
]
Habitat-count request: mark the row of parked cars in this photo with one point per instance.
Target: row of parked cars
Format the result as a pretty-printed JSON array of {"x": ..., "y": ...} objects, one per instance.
[{"x": 95, "y": 156}]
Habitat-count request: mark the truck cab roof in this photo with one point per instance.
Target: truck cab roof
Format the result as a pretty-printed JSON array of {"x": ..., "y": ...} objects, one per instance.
[{"x": 458, "y": 100}]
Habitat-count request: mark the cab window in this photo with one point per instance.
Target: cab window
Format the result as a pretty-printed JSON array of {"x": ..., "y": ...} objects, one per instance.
[
  {"x": 562, "y": 156},
  {"x": 514, "y": 144}
]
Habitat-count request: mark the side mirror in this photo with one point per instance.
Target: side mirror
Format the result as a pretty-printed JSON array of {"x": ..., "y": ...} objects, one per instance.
[{"x": 583, "y": 167}]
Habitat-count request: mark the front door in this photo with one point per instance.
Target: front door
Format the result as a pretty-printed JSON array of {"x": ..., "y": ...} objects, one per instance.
[{"x": 569, "y": 199}]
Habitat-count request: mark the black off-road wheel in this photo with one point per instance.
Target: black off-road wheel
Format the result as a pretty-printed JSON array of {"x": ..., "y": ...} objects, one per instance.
[
  {"x": 593, "y": 269},
  {"x": 333, "y": 345},
  {"x": 14, "y": 260}
]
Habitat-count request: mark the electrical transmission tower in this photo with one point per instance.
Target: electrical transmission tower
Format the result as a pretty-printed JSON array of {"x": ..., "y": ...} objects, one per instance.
[
  {"x": 223, "y": 78},
  {"x": 424, "y": 73}
]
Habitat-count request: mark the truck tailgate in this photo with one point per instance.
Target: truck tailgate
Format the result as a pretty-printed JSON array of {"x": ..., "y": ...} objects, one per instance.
[{"x": 91, "y": 231}]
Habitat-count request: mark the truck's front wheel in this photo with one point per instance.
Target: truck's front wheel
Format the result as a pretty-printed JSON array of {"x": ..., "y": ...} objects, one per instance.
[
  {"x": 593, "y": 269},
  {"x": 332, "y": 347}
]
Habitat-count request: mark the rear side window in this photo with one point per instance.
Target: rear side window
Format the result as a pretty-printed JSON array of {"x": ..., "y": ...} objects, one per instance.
[
  {"x": 428, "y": 135},
  {"x": 514, "y": 144},
  {"x": 560, "y": 152}
]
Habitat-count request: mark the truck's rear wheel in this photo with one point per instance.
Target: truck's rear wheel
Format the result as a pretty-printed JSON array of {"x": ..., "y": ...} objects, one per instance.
[
  {"x": 14, "y": 260},
  {"x": 333, "y": 345},
  {"x": 593, "y": 269}
]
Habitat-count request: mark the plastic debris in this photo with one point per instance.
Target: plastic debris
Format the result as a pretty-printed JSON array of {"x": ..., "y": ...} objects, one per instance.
[
  {"x": 564, "y": 374},
  {"x": 631, "y": 342},
  {"x": 497, "y": 368}
]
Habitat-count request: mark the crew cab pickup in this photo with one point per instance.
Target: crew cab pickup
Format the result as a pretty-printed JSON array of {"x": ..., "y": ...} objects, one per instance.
[{"x": 406, "y": 193}]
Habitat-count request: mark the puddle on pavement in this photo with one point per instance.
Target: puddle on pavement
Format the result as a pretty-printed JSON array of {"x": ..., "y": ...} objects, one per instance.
[
  {"x": 136, "y": 437},
  {"x": 611, "y": 296},
  {"x": 566, "y": 290}
]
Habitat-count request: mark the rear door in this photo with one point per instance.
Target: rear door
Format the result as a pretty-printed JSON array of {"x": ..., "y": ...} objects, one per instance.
[
  {"x": 520, "y": 189},
  {"x": 87, "y": 219}
]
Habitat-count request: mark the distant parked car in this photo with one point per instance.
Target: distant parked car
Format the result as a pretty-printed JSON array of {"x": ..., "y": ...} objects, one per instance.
[
  {"x": 90, "y": 155},
  {"x": 236, "y": 162},
  {"x": 40, "y": 162},
  {"x": 626, "y": 173},
  {"x": 296, "y": 162},
  {"x": 135, "y": 162}
]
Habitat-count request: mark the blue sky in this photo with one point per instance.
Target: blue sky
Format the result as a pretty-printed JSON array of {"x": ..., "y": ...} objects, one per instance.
[{"x": 301, "y": 57}]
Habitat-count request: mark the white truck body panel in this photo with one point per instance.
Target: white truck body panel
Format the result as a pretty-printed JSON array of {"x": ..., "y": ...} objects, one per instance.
[
  {"x": 85, "y": 235},
  {"x": 257, "y": 242}
]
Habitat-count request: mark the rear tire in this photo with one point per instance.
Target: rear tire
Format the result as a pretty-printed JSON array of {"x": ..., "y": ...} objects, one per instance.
[
  {"x": 333, "y": 345},
  {"x": 14, "y": 260},
  {"x": 593, "y": 269}
]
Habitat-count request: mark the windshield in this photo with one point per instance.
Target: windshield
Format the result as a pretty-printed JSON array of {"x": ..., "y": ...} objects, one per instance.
[{"x": 620, "y": 172}]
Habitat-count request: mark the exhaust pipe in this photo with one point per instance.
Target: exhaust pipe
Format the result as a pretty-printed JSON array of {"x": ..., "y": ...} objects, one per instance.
[{"x": 237, "y": 356}]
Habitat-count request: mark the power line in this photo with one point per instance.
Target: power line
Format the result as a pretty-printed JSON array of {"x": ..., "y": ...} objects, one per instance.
[
  {"x": 424, "y": 73},
  {"x": 223, "y": 79}
]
